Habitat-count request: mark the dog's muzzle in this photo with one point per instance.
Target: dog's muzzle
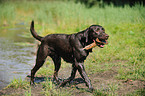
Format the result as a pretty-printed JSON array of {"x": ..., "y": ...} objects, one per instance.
[
  {"x": 101, "y": 43},
  {"x": 97, "y": 42}
]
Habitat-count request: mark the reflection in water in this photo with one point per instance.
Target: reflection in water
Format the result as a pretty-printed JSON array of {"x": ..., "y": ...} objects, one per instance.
[{"x": 16, "y": 60}]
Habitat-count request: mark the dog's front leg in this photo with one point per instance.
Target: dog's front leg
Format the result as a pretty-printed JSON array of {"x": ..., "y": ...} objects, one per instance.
[
  {"x": 73, "y": 73},
  {"x": 81, "y": 69}
]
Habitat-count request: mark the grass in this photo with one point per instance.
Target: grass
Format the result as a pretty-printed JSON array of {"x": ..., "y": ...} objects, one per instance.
[
  {"x": 50, "y": 89},
  {"x": 18, "y": 83},
  {"x": 28, "y": 92},
  {"x": 125, "y": 52},
  {"x": 7, "y": 13},
  {"x": 110, "y": 91}
]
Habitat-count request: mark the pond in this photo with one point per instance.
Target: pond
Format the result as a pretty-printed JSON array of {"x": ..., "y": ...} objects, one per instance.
[{"x": 17, "y": 50}]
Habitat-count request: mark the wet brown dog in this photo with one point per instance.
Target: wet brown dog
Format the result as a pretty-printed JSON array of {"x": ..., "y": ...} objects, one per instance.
[{"x": 70, "y": 48}]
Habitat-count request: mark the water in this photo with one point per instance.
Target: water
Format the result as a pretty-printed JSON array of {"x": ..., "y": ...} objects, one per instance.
[{"x": 16, "y": 58}]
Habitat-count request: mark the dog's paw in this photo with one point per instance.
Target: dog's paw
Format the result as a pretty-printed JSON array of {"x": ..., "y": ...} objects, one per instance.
[
  {"x": 32, "y": 84},
  {"x": 58, "y": 81},
  {"x": 91, "y": 89},
  {"x": 63, "y": 83}
]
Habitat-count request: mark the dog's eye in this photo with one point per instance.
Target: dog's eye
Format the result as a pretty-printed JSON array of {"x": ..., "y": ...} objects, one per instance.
[
  {"x": 103, "y": 29},
  {"x": 98, "y": 29}
]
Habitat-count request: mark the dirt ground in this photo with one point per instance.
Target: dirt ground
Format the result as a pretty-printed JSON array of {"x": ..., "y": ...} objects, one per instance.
[{"x": 105, "y": 82}]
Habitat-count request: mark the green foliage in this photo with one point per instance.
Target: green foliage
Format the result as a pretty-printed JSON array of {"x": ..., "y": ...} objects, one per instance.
[
  {"x": 28, "y": 92},
  {"x": 140, "y": 92},
  {"x": 47, "y": 69},
  {"x": 7, "y": 13},
  {"x": 50, "y": 90},
  {"x": 18, "y": 83}
]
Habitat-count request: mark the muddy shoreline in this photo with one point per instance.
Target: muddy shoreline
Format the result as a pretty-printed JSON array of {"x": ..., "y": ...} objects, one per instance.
[{"x": 104, "y": 81}]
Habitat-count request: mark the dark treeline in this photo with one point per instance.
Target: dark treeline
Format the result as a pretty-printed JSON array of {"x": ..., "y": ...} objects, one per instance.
[{"x": 101, "y": 3}]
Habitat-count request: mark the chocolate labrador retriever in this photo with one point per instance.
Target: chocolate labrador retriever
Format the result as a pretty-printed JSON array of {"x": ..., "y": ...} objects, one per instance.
[{"x": 70, "y": 48}]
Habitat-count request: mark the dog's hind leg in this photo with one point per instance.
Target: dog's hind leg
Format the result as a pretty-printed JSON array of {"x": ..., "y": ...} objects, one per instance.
[
  {"x": 41, "y": 56},
  {"x": 73, "y": 73},
  {"x": 57, "y": 63}
]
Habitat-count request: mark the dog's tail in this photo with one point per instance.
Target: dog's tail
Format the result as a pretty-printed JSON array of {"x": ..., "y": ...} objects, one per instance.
[{"x": 33, "y": 32}]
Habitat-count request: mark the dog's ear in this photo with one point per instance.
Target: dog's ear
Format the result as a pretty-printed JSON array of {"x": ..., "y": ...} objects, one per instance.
[
  {"x": 86, "y": 33},
  {"x": 91, "y": 28}
]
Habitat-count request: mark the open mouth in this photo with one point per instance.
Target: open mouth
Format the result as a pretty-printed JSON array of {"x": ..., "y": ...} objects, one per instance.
[
  {"x": 101, "y": 42},
  {"x": 97, "y": 42}
]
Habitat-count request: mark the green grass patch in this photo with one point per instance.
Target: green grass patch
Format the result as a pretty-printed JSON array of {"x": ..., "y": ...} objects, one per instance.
[
  {"x": 47, "y": 69},
  {"x": 50, "y": 89},
  {"x": 18, "y": 83},
  {"x": 140, "y": 92},
  {"x": 28, "y": 92}
]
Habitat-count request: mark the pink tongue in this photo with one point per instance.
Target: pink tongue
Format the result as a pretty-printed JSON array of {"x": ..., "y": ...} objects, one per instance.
[{"x": 101, "y": 45}]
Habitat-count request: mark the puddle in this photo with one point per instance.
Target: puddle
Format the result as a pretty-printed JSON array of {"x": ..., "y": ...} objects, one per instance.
[{"x": 16, "y": 58}]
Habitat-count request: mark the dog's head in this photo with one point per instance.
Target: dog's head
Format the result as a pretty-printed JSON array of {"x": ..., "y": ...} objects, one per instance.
[{"x": 97, "y": 34}]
